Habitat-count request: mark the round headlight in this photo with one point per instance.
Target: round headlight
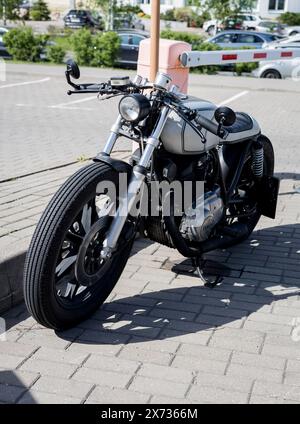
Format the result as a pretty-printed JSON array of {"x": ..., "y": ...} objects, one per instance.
[{"x": 134, "y": 108}]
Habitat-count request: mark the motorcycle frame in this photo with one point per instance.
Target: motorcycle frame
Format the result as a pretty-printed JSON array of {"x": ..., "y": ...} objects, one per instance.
[{"x": 139, "y": 173}]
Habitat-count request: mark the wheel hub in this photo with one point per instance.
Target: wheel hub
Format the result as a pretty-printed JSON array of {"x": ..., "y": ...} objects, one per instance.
[{"x": 90, "y": 266}]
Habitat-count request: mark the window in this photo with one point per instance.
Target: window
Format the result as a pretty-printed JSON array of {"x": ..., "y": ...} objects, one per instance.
[
  {"x": 249, "y": 39},
  {"x": 276, "y": 5},
  {"x": 226, "y": 38},
  {"x": 136, "y": 39},
  {"x": 124, "y": 39}
]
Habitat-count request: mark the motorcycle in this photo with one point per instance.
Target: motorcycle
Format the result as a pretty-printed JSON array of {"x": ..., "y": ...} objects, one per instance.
[{"x": 84, "y": 238}]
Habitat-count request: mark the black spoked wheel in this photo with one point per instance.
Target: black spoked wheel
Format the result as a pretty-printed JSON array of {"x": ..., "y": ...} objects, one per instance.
[
  {"x": 65, "y": 279},
  {"x": 247, "y": 210}
]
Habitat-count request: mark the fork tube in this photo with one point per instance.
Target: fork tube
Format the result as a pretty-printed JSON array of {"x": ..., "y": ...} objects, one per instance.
[
  {"x": 137, "y": 179},
  {"x": 114, "y": 134}
]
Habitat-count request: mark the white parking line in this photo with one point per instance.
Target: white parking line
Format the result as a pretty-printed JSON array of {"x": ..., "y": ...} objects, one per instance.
[
  {"x": 51, "y": 107},
  {"x": 17, "y": 84},
  {"x": 233, "y": 98},
  {"x": 64, "y": 105}
]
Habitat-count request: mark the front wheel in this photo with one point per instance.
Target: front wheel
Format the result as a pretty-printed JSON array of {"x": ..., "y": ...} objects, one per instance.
[
  {"x": 272, "y": 74},
  {"x": 65, "y": 279}
]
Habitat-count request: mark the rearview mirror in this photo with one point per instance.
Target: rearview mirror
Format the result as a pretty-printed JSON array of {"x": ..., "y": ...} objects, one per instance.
[
  {"x": 225, "y": 116},
  {"x": 73, "y": 69}
]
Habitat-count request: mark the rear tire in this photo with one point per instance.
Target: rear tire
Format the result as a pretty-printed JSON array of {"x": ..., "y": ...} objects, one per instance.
[
  {"x": 51, "y": 272},
  {"x": 268, "y": 171}
]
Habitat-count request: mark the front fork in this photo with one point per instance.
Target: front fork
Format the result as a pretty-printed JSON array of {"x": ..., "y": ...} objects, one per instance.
[{"x": 138, "y": 175}]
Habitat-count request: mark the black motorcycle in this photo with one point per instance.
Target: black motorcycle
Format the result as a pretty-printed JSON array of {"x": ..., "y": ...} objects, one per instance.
[{"x": 199, "y": 180}]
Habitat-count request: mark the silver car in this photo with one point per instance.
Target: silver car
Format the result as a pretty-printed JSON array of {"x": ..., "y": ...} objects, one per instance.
[{"x": 235, "y": 39}]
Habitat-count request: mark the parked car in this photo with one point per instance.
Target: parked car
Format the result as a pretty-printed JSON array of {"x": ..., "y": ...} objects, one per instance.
[
  {"x": 286, "y": 42},
  {"x": 3, "y": 51},
  {"x": 83, "y": 18},
  {"x": 249, "y": 22},
  {"x": 271, "y": 26},
  {"x": 292, "y": 30},
  {"x": 3, "y": 31},
  {"x": 129, "y": 47},
  {"x": 230, "y": 23},
  {"x": 241, "y": 39},
  {"x": 278, "y": 69},
  {"x": 128, "y": 21}
]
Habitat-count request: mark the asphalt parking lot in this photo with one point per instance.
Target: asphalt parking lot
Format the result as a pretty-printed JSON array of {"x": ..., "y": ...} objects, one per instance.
[
  {"x": 161, "y": 337},
  {"x": 42, "y": 127}
]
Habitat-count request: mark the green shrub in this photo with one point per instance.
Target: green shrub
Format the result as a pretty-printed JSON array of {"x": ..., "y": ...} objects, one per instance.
[
  {"x": 291, "y": 19},
  {"x": 55, "y": 54},
  {"x": 193, "y": 39},
  {"x": 22, "y": 44},
  {"x": 106, "y": 47},
  {"x": 40, "y": 11},
  {"x": 169, "y": 15},
  {"x": 95, "y": 50},
  {"x": 82, "y": 42}
]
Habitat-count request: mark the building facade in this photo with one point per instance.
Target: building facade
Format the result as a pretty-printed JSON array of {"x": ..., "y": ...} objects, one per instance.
[
  {"x": 265, "y": 8},
  {"x": 274, "y": 8}
]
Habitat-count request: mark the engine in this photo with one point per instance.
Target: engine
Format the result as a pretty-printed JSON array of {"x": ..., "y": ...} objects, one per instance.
[{"x": 201, "y": 218}]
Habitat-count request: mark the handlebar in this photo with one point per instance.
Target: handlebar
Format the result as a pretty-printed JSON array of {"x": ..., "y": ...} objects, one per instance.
[{"x": 210, "y": 126}]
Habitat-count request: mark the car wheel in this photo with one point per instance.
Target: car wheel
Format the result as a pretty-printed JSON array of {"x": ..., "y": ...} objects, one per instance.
[
  {"x": 211, "y": 30},
  {"x": 271, "y": 74},
  {"x": 294, "y": 33}
]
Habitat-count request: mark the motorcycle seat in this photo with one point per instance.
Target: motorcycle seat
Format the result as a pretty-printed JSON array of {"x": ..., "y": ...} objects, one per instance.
[{"x": 243, "y": 123}]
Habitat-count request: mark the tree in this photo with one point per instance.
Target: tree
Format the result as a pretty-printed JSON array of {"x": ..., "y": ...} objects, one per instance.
[
  {"x": 108, "y": 8},
  {"x": 9, "y": 9},
  {"x": 223, "y": 9},
  {"x": 40, "y": 11}
]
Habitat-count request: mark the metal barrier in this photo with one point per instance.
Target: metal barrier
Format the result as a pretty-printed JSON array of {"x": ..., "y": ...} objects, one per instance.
[{"x": 221, "y": 57}]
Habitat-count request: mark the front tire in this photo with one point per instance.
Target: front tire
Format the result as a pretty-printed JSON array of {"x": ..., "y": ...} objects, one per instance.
[
  {"x": 65, "y": 279},
  {"x": 272, "y": 74}
]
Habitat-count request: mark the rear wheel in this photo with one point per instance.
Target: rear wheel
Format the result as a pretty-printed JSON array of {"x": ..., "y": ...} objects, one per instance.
[
  {"x": 65, "y": 279},
  {"x": 248, "y": 212},
  {"x": 272, "y": 74},
  {"x": 294, "y": 33}
]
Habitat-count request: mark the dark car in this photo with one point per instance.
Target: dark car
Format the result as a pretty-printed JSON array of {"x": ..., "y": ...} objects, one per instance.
[
  {"x": 231, "y": 23},
  {"x": 3, "y": 51},
  {"x": 82, "y": 18},
  {"x": 129, "y": 48}
]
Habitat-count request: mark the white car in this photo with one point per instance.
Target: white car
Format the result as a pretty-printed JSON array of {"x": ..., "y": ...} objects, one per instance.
[
  {"x": 287, "y": 42},
  {"x": 271, "y": 26},
  {"x": 2, "y": 32},
  {"x": 292, "y": 30},
  {"x": 279, "y": 69},
  {"x": 250, "y": 22}
]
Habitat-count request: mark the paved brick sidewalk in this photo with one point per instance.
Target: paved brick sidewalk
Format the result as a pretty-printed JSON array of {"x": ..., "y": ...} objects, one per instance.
[{"x": 161, "y": 336}]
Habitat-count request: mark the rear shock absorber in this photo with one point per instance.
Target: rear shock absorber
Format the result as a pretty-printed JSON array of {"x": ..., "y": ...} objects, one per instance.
[{"x": 258, "y": 159}]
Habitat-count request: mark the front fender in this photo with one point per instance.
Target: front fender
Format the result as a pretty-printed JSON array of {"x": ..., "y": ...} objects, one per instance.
[{"x": 118, "y": 165}]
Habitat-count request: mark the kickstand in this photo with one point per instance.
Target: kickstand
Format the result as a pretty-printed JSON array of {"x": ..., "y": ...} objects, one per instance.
[{"x": 198, "y": 263}]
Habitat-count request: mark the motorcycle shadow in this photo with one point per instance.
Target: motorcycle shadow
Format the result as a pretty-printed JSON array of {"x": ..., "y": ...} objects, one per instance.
[{"x": 255, "y": 276}]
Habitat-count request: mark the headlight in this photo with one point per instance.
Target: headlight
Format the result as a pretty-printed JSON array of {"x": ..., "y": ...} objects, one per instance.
[{"x": 134, "y": 108}]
